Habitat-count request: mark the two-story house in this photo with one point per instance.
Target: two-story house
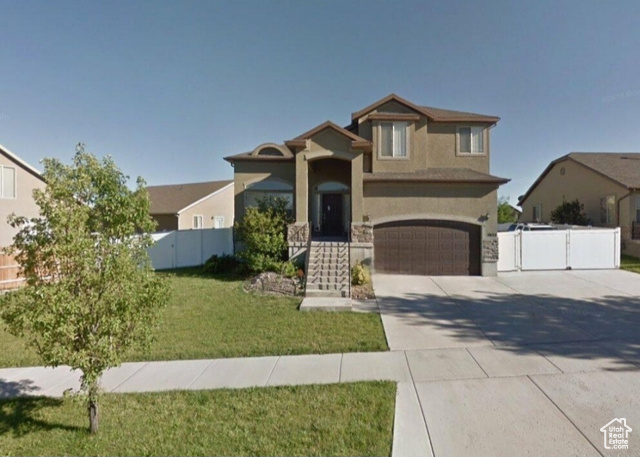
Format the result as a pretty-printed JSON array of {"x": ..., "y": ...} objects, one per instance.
[{"x": 406, "y": 187}]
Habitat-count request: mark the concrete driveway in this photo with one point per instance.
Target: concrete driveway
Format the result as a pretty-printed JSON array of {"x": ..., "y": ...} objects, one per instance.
[{"x": 522, "y": 364}]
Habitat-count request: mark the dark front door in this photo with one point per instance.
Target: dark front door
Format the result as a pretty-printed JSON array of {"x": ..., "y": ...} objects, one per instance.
[{"x": 332, "y": 215}]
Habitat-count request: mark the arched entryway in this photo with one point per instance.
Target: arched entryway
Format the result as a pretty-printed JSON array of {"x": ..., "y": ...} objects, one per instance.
[{"x": 330, "y": 198}]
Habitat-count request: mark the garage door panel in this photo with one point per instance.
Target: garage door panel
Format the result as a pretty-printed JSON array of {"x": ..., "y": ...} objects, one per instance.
[{"x": 427, "y": 248}]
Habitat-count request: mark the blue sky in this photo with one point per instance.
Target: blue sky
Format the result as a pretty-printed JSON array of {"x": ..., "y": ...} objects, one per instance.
[{"x": 169, "y": 88}]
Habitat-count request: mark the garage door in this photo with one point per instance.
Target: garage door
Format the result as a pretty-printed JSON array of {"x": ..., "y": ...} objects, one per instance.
[{"x": 427, "y": 248}]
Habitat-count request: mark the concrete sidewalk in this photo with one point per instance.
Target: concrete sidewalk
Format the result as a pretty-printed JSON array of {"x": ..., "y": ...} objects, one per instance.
[{"x": 439, "y": 391}]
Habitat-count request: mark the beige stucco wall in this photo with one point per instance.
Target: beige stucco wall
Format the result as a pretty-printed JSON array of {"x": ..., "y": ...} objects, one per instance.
[
  {"x": 246, "y": 173},
  {"x": 431, "y": 144},
  {"x": 22, "y": 205},
  {"x": 219, "y": 204},
  {"x": 578, "y": 182},
  {"x": 474, "y": 204}
]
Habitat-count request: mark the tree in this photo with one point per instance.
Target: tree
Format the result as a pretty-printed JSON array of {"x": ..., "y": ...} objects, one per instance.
[
  {"x": 571, "y": 213},
  {"x": 506, "y": 213},
  {"x": 91, "y": 294},
  {"x": 263, "y": 232}
]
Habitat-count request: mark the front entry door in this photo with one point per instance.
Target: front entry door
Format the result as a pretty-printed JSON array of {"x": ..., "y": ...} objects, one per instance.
[{"x": 332, "y": 215}]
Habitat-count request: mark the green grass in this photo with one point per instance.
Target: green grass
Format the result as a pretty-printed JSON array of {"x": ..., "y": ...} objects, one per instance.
[
  {"x": 338, "y": 419},
  {"x": 213, "y": 317},
  {"x": 630, "y": 263}
]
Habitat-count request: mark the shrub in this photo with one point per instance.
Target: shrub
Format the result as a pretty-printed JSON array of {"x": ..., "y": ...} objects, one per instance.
[
  {"x": 360, "y": 274},
  {"x": 571, "y": 213},
  {"x": 222, "y": 264},
  {"x": 263, "y": 232}
]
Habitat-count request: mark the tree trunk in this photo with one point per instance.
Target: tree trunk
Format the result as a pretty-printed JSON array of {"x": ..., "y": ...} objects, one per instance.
[{"x": 93, "y": 416}]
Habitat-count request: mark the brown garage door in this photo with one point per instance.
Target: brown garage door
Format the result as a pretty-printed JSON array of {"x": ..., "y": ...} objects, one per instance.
[{"x": 427, "y": 248}]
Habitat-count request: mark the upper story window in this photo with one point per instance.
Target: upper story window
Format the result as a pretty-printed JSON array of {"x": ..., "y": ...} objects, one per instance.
[
  {"x": 394, "y": 139},
  {"x": 471, "y": 140},
  {"x": 197, "y": 222},
  {"x": 7, "y": 182}
]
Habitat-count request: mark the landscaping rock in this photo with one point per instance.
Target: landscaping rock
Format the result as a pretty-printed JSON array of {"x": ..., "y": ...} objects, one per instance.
[{"x": 274, "y": 283}]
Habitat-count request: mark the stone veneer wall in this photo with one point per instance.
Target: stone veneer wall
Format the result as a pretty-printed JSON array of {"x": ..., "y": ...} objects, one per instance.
[
  {"x": 298, "y": 232},
  {"x": 490, "y": 248},
  {"x": 361, "y": 233}
]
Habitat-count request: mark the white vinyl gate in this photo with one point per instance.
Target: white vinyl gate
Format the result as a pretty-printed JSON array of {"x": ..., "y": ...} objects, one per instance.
[
  {"x": 575, "y": 249},
  {"x": 189, "y": 248}
]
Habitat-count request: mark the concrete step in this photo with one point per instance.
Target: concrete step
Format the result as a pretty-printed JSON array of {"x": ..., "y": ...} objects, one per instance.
[
  {"x": 328, "y": 272},
  {"x": 326, "y": 293},
  {"x": 330, "y": 255},
  {"x": 335, "y": 286},
  {"x": 329, "y": 244},
  {"x": 327, "y": 280}
]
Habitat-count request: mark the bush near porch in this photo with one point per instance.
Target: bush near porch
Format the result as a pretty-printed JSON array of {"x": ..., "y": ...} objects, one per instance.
[{"x": 213, "y": 317}]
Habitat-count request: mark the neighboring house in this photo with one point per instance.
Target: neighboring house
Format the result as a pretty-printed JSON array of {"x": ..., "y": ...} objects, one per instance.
[
  {"x": 192, "y": 206},
  {"x": 607, "y": 184},
  {"x": 515, "y": 212},
  {"x": 407, "y": 186},
  {"x": 18, "y": 179}
]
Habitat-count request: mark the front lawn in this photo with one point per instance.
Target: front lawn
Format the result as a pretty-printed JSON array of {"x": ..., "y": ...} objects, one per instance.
[
  {"x": 211, "y": 317},
  {"x": 338, "y": 419},
  {"x": 630, "y": 263}
]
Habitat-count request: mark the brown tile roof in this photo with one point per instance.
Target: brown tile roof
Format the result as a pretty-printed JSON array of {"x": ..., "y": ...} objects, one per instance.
[
  {"x": 441, "y": 175},
  {"x": 620, "y": 167},
  {"x": 173, "y": 198}
]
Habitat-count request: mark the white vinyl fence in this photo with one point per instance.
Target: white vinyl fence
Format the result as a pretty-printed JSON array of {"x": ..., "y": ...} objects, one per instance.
[
  {"x": 189, "y": 248},
  {"x": 575, "y": 249}
]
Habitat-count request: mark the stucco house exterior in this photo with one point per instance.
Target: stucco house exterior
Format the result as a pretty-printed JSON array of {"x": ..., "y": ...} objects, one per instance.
[
  {"x": 606, "y": 183},
  {"x": 407, "y": 187},
  {"x": 18, "y": 179},
  {"x": 201, "y": 205}
]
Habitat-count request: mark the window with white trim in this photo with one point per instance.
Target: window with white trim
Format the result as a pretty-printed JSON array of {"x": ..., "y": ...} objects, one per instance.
[
  {"x": 471, "y": 140},
  {"x": 537, "y": 213},
  {"x": 7, "y": 182},
  {"x": 197, "y": 222},
  {"x": 607, "y": 208},
  {"x": 394, "y": 139},
  {"x": 218, "y": 222}
]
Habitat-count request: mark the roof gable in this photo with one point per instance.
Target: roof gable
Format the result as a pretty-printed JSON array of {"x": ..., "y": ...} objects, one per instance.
[
  {"x": 433, "y": 114},
  {"x": 356, "y": 141},
  {"x": 175, "y": 198},
  {"x": 21, "y": 163}
]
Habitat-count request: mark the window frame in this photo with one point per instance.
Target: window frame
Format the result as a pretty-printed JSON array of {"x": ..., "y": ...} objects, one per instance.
[
  {"x": 218, "y": 218},
  {"x": 15, "y": 182},
  {"x": 608, "y": 211},
  {"x": 407, "y": 127},
  {"x": 539, "y": 207},
  {"x": 195, "y": 218},
  {"x": 484, "y": 140}
]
